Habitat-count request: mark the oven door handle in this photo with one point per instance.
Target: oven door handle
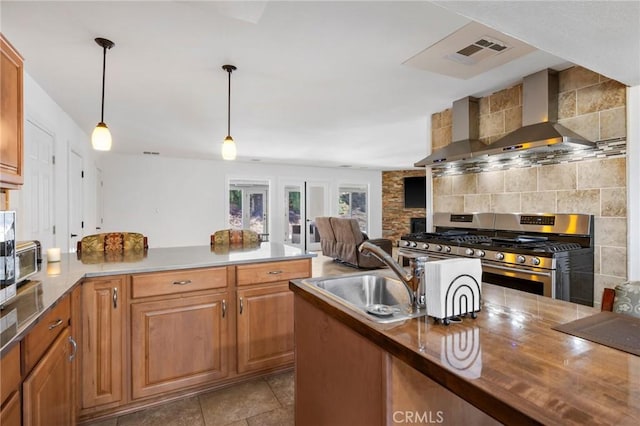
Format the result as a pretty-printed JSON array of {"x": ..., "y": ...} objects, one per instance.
[{"x": 519, "y": 271}]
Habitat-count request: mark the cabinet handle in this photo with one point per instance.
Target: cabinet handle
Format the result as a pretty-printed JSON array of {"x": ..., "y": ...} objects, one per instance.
[
  {"x": 183, "y": 282},
  {"x": 241, "y": 305},
  {"x": 115, "y": 298},
  {"x": 275, "y": 272},
  {"x": 75, "y": 348},
  {"x": 224, "y": 308},
  {"x": 55, "y": 324}
]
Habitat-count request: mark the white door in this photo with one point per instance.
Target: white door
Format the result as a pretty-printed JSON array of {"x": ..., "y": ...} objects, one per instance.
[
  {"x": 317, "y": 205},
  {"x": 76, "y": 218},
  {"x": 37, "y": 191},
  {"x": 294, "y": 209}
]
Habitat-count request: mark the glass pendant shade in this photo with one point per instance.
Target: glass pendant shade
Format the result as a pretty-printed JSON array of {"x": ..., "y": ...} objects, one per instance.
[
  {"x": 228, "y": 149},
  {"x": 101, "y": 138}
]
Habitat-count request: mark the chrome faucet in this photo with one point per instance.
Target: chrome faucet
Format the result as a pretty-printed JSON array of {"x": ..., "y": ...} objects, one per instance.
[{"x": 413, "y": 281}]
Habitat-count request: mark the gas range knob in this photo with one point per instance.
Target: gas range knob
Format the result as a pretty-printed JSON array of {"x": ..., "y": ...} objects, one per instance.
[
  {"x": 469, "y": 252},
  {"x": 447, "y": 249},
  {"x": 425, "y": 246},
  {"x": 480, "y": 253},
  {"x": 413, "y": 244},
  {"x": 500, "y": 256},
  {"x": 438, "y": 247},
  {"x": 403, "y": 243},
  {"x": 520, "y": 259},
  {"x": 535, "y": 261}
]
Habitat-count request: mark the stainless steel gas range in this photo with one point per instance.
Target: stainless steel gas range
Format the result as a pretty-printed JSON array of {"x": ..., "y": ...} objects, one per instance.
[{"x": 546, "y": 254}]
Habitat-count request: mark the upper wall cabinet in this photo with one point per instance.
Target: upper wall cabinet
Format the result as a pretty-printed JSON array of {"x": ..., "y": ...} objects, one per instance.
[{"x": 11, "y": 117}]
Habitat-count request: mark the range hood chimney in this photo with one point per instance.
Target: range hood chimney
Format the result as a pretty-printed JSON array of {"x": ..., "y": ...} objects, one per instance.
[
  {"x": 540, "y": 130},
  {"x": 464, "y": 134}
]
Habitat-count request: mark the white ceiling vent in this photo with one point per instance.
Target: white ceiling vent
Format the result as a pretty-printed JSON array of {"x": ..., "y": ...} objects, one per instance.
[
  {"x": 481, "y": 49},
  {"x": 470, "y": 51}
]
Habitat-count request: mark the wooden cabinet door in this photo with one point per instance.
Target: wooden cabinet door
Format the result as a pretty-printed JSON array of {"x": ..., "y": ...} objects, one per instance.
[
  {"x": 10, "y": 414},
  {"x": 177, "y": 343},
  {"x": 102, "y": 341},
  {"x": 265, "y": 327},
  {"x": 11, "y": 117},
  {"x": 47, "y": 397}
]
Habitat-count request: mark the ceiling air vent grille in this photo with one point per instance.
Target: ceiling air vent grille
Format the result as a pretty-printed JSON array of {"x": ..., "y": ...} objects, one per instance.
[{"x": 480, "y": 50}]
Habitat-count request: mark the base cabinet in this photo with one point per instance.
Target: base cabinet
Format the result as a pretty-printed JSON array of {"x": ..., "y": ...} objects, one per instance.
[
  {"x": 47, "y": 392},
  {"x": 179, "y": 331},
  {"x": 10, "y": 378},
  {"x": 265, "y": 327},
  {"x": 103, "y": 341},
  {"x": 177, "y": 343},
  {"x": 10, "y": 413}
]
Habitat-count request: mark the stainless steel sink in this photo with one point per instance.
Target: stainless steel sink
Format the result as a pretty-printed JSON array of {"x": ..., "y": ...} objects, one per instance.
[{"x": 380, "y": 298}]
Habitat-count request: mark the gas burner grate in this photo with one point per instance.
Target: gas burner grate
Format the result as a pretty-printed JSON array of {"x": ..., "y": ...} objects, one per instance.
[
  {"x": 472, "y": 239},
  {"x": 555, "y": 247}
]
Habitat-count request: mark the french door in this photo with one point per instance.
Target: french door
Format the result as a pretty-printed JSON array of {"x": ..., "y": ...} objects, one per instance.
[
  {"x": 294, "y": 215},
  {"x": 249, "y": 205},
  {"x": 317, "y": 205},
  {"x": 303, "y": 203}
]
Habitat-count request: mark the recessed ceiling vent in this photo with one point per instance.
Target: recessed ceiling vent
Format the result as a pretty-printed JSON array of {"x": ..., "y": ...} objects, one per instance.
[
  {"x": 481, "y": 49},
  {"x": 469, "y": 51}
]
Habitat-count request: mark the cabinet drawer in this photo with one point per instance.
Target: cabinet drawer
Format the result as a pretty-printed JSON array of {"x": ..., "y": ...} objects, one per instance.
[
  {"x": 270, "y": 272},
  {"x": 9, "y": 373},
  {"x": 159, "y": 283},
  {"x": 45, "y": 332}
]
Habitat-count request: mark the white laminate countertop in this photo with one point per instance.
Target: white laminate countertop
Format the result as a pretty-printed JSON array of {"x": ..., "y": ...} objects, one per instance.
[{"x": 57, "y": 279}]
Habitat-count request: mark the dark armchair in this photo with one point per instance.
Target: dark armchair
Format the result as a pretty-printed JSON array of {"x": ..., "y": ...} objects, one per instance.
[{"x": 340, "y": 239}]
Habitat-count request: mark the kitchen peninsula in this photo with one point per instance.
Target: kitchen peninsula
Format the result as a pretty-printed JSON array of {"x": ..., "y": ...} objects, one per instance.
[
  {"x": 90, "y": 339},
  {"x": 506, "y": 366}
]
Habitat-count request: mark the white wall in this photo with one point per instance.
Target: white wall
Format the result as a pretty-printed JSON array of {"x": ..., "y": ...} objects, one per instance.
[
  {"x": 181, "y": 202},
  {"x": 42, "y": 110}
]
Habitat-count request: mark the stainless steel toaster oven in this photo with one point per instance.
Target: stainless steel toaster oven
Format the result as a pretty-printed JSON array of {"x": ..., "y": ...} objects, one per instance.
[{"x": 28, "y": 259}]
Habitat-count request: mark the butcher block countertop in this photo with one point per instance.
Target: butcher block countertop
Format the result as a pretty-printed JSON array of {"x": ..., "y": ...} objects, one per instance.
[
  {"x": 508, "y": 362},
  {"x": 55, "y": 280}
]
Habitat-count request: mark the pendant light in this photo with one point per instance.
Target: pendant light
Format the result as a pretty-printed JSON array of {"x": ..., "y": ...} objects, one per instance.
[
  {"x": 101, "y": 137},
  {"x": 228, "y": 145}
]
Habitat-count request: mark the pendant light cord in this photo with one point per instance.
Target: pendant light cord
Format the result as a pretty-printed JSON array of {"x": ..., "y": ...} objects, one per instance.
[
  {"x": 104, "y": 67},
  {"x": 229, "y": 105}
]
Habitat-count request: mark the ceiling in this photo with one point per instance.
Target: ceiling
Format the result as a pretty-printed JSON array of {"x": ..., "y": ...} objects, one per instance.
[{"x": 318, "y": 83}]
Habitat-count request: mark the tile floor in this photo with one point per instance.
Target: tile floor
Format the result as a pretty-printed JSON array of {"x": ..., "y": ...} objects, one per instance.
[{"x": 261, "y": 402}]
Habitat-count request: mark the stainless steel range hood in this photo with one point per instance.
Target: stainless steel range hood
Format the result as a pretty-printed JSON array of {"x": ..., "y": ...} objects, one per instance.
[
  {"x": 464, "y": 133},
  {"x": 540, "y": 130}
]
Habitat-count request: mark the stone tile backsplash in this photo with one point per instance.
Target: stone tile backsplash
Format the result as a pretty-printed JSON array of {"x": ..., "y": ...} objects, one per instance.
[
  {"x": 602, "y": 174},
  {"x": 557, "y": 177}
]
